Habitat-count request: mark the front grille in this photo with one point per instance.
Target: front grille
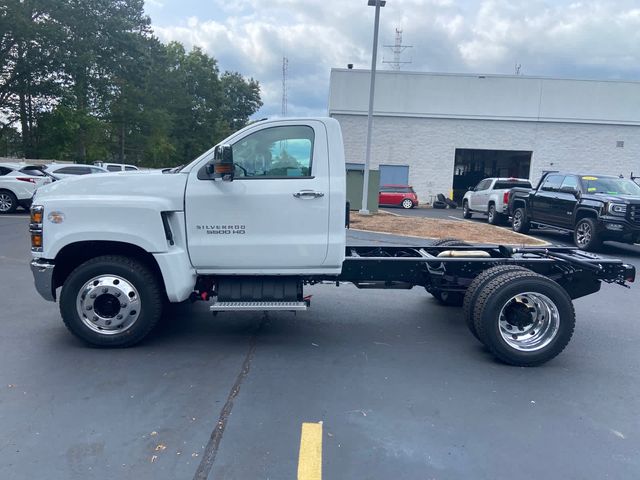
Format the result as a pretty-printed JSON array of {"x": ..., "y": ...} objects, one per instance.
[{"x": 634, "y": 214}]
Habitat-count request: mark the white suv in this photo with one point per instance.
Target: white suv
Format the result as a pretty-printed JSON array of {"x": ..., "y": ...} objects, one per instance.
[
  {"x": 18, "y": 183},
  {"x": 491, "y": 198}
]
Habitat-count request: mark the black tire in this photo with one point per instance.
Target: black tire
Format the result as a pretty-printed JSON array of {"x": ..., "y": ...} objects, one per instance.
[
  {"x": 136, "y": 273},
  {"x": 521, "y": 223},
  {"x": 466, "y": 213},
  {"x": 585, "y": 235},
  {"x": 8, "y": 202},
  {"x": 471, "y": 295},
  {"x": 493, "y": 217},
  {"x": 407, "y": 203},
  {"x": 450, "y": 203},
  {"x": 449, "y": 242},
  {"x": 498, "y": 294},
  {"x": 439, "y": 205}
]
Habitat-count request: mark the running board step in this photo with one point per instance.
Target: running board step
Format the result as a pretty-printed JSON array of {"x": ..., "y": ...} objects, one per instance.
[{"x": 258, "y": 306}]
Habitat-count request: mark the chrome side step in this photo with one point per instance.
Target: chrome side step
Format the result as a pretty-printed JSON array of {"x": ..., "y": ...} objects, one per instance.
[{"x": 258, "y": 306}]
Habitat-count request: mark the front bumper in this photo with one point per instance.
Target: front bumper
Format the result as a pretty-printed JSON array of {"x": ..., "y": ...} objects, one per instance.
[
  {"x": 619, "y": 228},
  {"x": 43, "y": 279}
]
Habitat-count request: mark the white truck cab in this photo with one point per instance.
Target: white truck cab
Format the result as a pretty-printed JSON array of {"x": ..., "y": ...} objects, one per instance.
[{"x": 251, "y": 222}]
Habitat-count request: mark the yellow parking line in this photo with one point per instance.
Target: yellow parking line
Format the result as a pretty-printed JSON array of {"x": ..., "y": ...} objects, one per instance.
[{"x": 310, "y": 457}]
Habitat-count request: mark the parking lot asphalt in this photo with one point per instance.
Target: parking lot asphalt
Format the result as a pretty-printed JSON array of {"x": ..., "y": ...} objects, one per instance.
[{"x": 403, "y": 390}]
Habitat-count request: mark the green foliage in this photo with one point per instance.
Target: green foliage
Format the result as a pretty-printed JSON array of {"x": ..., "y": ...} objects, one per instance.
[{"x": 86, "y": 80}]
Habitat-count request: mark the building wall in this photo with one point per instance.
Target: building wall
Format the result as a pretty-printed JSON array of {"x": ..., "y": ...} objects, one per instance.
[{"x": 428, "y": 145}]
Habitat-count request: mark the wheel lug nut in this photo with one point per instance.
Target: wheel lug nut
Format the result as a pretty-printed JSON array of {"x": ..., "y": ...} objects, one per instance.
[
  {"x": 123, "y": 305},
  {"x": 533, "y": 332},
  {"x": 105, "y": 290},
  {"x": 117, "y": 294},
  {"x": 95, "y": 319},
  {"x": 108, "y": 322},
  {"x": 508, "y": 327},
  {"x": 89, "y": 307},
  {"x": 119, "y": 317},
  {"x": 93, "y": 295},
  {"x": 514, "y": 336}
]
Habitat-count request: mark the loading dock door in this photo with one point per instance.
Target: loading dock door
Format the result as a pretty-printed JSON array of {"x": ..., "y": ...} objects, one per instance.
[
  {"x": 473, "y": 165},
  {"x": 394, "y": 174}
]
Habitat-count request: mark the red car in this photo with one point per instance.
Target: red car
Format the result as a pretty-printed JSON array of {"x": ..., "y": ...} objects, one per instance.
[{"x": 397, "y": 196}]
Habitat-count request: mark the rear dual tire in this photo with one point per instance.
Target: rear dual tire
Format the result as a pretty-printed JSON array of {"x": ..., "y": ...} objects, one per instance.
[{"x": 523, "y": 318}]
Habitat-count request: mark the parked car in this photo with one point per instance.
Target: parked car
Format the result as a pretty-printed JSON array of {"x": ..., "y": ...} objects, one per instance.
[
  {"x": 491, "y": 198},
  {"x": 64, "y": 170},
  {"x": 18, "y": 183},
  {"x": 593, "y": 208},
  {"x": 397, "y": 196},
  {"x": 117, "y": 167}
]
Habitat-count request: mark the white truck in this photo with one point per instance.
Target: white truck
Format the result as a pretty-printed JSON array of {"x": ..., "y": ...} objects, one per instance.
[
  {"x": 251, "y": 222},
  {"x": 491, "y": 198}
]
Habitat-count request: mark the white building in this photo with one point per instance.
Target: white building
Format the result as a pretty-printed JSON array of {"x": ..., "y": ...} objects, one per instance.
[{"x": 445, "y": 132}]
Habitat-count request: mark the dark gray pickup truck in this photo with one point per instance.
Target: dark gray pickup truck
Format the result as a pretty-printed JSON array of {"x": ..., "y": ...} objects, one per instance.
[{"x": 593, "y": 208}]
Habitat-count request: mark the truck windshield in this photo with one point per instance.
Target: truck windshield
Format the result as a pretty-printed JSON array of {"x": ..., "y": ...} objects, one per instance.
[{"x": 612, "y": 186}]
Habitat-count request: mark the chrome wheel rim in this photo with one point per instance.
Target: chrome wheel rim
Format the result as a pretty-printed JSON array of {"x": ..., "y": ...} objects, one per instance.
[
  {"x": 5, "y": 202},
  {"x": 465, "y": 208},
  {"x": 407, "y": 203},
  {"x": 108, "y": 304},
  {"x": 529, "y": 321},
  {"x": 491, "y": 214},
  {"x": 517, "y": 220},
  {"x": 583, "y": 234}
]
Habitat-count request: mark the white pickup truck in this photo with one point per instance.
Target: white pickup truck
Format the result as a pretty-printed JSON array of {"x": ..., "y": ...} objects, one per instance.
[
  {"x": 251, "y": 222},
  {"x": 491, "y": 198}
]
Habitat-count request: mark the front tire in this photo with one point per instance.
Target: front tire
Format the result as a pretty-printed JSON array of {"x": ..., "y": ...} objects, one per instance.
[
  {"x": 523, "y": 318},
  {"x": 585, "y": 235},
  {"x": 8, "y": 202},
  {"x": 407, "y": 203},
  {"x": 111, "y": 301}
]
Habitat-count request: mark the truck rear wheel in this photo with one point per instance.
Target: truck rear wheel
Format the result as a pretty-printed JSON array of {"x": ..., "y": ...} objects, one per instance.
[
  {"x": 493, "y": 217},
  {"x": 524, "y": 319},
  {"x": 471, "y": 295},
  {"x": 111, "y": 301},
  {"x": 520, "y": 221}
]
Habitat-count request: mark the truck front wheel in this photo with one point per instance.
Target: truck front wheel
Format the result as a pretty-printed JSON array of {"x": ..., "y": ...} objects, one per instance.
[
  {"x": 585, "y": 235},
  {"x": 524, "y": 319},
  {"x": 111, "y": 301}
]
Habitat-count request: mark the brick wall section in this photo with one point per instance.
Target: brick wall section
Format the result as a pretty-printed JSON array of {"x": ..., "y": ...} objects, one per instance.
[{"x": 428, "y": 146}]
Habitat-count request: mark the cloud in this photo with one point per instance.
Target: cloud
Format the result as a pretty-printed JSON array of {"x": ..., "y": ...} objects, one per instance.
[{"x": 595, "y": 39}]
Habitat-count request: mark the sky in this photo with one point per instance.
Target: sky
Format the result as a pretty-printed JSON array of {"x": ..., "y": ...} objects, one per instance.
[{"x": 597, "y": 39}]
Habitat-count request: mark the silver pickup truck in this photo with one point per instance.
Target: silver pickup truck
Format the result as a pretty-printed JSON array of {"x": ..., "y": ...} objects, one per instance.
[{"x": 491, "y": 198}]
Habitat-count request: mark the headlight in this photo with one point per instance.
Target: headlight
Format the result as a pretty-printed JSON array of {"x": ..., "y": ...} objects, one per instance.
[{"x": 617, "y": 209}]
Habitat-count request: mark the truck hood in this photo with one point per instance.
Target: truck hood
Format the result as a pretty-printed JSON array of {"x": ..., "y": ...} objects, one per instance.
[
  {"x": 606, "y": 197},
  {"x": 166, "y": 189}
]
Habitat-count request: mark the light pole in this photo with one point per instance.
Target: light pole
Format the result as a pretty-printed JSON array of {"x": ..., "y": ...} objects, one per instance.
[{"x": 367, "y": 157}]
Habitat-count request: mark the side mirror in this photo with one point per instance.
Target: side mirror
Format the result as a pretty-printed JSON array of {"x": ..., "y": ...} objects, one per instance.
[
  {"x": 222, "y": 166},
  {"x": 471, "y": 189},
  {"x": 571, "y": 190}
]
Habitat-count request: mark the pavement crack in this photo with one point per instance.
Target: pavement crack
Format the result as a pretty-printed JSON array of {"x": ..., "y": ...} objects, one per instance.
[{"x": 211, "y": 449}]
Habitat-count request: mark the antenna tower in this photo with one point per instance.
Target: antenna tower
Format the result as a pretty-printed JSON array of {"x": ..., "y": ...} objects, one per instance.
[
  {"x": 285, "y": 71},
  {"x": 397, "y": 49}
]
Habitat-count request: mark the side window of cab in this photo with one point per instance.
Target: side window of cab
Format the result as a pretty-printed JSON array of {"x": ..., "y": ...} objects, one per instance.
[{"x": 276, "y": 152}]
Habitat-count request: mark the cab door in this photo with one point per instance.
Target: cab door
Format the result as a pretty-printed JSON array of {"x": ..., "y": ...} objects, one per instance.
[{"x": 274, "y": 215}]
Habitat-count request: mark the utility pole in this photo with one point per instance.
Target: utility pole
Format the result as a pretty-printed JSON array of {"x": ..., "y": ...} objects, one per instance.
[
  {"x": 397, "y": 49},
  {"x": 367, "y": 158}
]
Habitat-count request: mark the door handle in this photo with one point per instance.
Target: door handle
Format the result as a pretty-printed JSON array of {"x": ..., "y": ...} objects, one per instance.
[{"x": 308, "y": 194}]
